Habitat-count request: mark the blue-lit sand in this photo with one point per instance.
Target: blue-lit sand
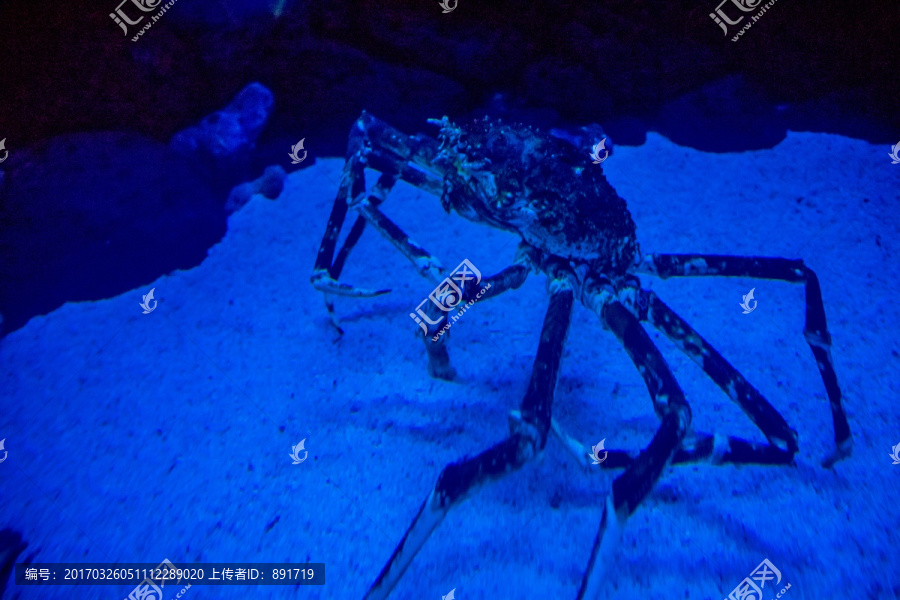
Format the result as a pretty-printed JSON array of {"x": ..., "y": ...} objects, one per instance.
[{"x": 138, "y": 437}]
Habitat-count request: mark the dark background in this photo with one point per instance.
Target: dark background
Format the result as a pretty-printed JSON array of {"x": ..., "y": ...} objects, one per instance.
[
  {"x": 631, "y": 66},
  {"x": 66, "y": 67}
]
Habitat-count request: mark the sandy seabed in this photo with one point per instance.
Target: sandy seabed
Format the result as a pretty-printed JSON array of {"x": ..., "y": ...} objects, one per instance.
[{"x": 138, "y": 437}]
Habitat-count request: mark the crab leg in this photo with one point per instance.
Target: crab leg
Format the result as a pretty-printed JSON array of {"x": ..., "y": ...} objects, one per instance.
[
  {"x": 395, "y": 155},
  {"x": 527, "y": 439},
  {"x": 439, "y": 365},
  {"x": 378, "y": 195},
  {"x": 352, "y": 186},
  {"x": 631, "y": 487},
  {"x": 375, "y": 144},
  {"x": 699, "y": 447},
  {"x": 428, "y": 266},
  {"x": 815, "y": 330},
  {"x": 782, "y": 438}
]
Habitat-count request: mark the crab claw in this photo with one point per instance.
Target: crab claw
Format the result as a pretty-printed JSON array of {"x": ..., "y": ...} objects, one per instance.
[{"x": 326, "y": 284}]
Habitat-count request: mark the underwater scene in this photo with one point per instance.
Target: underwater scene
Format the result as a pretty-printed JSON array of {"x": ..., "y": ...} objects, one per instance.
[{"x": 448, "y": 300}]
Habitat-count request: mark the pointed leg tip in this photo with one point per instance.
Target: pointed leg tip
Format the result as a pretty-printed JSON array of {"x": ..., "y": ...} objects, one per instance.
[
  {"x": 603, "y": 555},
  {"x": 842, "y": 451},
  {"x": 445, "y": 372},
  {"x": 439, "y": 366},
  {"x": 578, "y": 451},
  {"x": 335, "y": 322}
]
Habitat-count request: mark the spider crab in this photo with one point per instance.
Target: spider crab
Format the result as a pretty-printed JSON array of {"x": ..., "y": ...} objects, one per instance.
[{"x": 576, "y": 230}]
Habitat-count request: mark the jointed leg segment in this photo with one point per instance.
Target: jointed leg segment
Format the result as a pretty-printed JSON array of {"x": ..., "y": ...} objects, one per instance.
[
  {"x": 815, "y": 331},
  {"x": 374, "y": 144},
  {"x": 510, "y": 278},
  {"x": 526, "y": 441},
  {"x": 377, "y": 145},
  {"x": 782, "y": 439},
  {"x": 632, "y": 486}
]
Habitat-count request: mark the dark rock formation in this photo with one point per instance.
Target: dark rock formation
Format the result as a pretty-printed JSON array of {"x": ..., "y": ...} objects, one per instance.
[
  {"x": 269, "y": 185},
  {"x": 11, "y": 545},
  {"x": 90, "y": 215},
  {"x": 132, "y": 209},
  {"x": 610, "y": 62},
  {"x": 226, "y": 137}
]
